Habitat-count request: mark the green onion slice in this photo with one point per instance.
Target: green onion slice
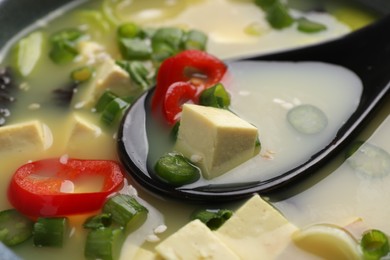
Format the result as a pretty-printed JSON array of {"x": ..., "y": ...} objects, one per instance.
[
  {"x": 49, "y": 232},
  {"x": 63, "y": 43},
  {"x": 212, "y": 218},
  {"x": 308, "y": 26},
  {"x": 104, "y": 100},
  {"x": 194, "y": 39},
  {"x": 138, "y": 73},
  {"x": 126, "y": 211},
  {"x": 129, "y": 30},
  {"x": 14, "y": 227},
  {"x": 103, "y": 243},
  {"x": 113, "y": 111},
  {"x": 134, "y": 49},
  {"x": 82, "y": 74},
  {"x": 374, "y": 244},
  {"x": 216, "y": 96},
  {"x": 176, "y": 170},
  {"x": 98, "y": 221},
  {"x": 278, "y": 16}
]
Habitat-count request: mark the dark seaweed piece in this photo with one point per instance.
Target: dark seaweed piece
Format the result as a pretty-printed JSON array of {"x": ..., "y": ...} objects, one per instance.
[
  {"x": 7, "y": 86},
  {"x": 62, "y": 96}
]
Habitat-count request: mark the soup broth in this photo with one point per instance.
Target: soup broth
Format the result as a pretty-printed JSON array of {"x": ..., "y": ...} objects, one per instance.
[{"x": 228, "y": 38}]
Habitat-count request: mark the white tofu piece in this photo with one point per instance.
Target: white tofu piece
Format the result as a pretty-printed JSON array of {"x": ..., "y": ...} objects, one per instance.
[
  {"x": 28, "y": 136},
  {"x": 144, "y": 254},
  {"x": 257, "y": 231},
  {"x": 216, "y": 140},
  {"x": 108, "y": 75},
  {"x": 84, "y": 136},
  {"x": 82, "y": 128},
  {"x": 194, "y": 241}
]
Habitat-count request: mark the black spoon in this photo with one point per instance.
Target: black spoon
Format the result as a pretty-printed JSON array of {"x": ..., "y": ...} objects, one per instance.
[{"x": 366, "y": 52}]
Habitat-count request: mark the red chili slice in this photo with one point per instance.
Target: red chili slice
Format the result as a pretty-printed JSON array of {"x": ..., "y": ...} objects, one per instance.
[
  {"x": 177, "y": 94},
  {"x": 42, "y": 188},
  {"x": 190, "y": 65}
]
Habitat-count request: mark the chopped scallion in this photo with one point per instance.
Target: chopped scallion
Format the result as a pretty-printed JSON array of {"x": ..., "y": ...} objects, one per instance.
[
  {"x": 99, "y": 221},
  {"x": 166, "y": 42},
  {"x": 138, "y": 73},
  {"x": 14, "y": 227},
  {"x": 134, "y": 49},
  {"x": 374, "y": 244},
  {"x": 308, "y": 26},
  {"x": 113, "y": 111},
  {"x": 194, "y": 39},
  {"x": 216, "y": 96},
  {"x": 125, "y": 211},
  {"x": 176, "y": 170},
  {"x": 49, "y": 232},
  {"x": 103, "y": 243},
  {"x": 63, "y": 49},
  {"x": 104, "y": 100},
  {"x": 278, "y": 16},
  {"x": 213, "y": 218},
  {"x": 129, "y": 30},
  {"x": 81, "y": 74}
]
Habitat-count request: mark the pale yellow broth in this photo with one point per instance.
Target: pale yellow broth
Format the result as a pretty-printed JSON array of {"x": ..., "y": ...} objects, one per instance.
[{"x": 223, "y": 43}]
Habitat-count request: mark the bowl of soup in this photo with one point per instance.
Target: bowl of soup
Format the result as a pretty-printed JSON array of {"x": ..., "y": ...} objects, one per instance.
[{"x": 58, "y": 61}]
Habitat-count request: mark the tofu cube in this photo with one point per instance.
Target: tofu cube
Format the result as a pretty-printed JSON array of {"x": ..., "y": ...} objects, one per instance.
[
  {"x": 194, "y": 241},
  {"x": 83, "y": 129},
  {"x": 257, "y": 231},
  {"x": 108, "y": 75},
  {"x": 86, "y": 138},
  {"x": 216, "y": 140},
  {"x": 28, "y": 136}
]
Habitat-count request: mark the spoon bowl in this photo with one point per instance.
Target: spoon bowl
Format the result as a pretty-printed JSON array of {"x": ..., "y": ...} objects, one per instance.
[{"x": 366, "y": 52}]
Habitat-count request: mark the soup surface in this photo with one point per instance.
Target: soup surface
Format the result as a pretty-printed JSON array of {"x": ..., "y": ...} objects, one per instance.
[{"x": 238, "y": 28}]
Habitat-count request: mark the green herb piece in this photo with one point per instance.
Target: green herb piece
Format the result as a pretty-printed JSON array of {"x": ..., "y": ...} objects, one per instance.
[
  {"x": 129, "y": 30},
  {"x": 134, "y": 49},
  {"x": 104, "y": 100},
  {"x": 216, "y": 96},
  {"x": 307, "y": 119},
  {"x": 194, "y": 39},
  {"x": 82, "y": 74},
  {"x": 174, "y": 131},
  {"x": 257, "y": 145},
  {"x": 278, "y": 16},
  {"x": 166, "y": 42},
  {"x": 14, "y": 227},
  {"x": 113, "y": 111},
  {"x": 370, "y": 160},
  {"x": 213, "y": 218},
  {"x": 126, "y": 211},
  {"x": 63, "y": 45},
  {"x": 28, "y": 52},
  {"x": 308, "y": 26},
  {"x": 49, "y": 232},
  {"x": 176, "y": 170},
  {"x": 374, "y": 244},
  {"x": 138, "y": 73},
  {"x": 99, "y": 221},
  {"x": 103, "y": 243}
]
